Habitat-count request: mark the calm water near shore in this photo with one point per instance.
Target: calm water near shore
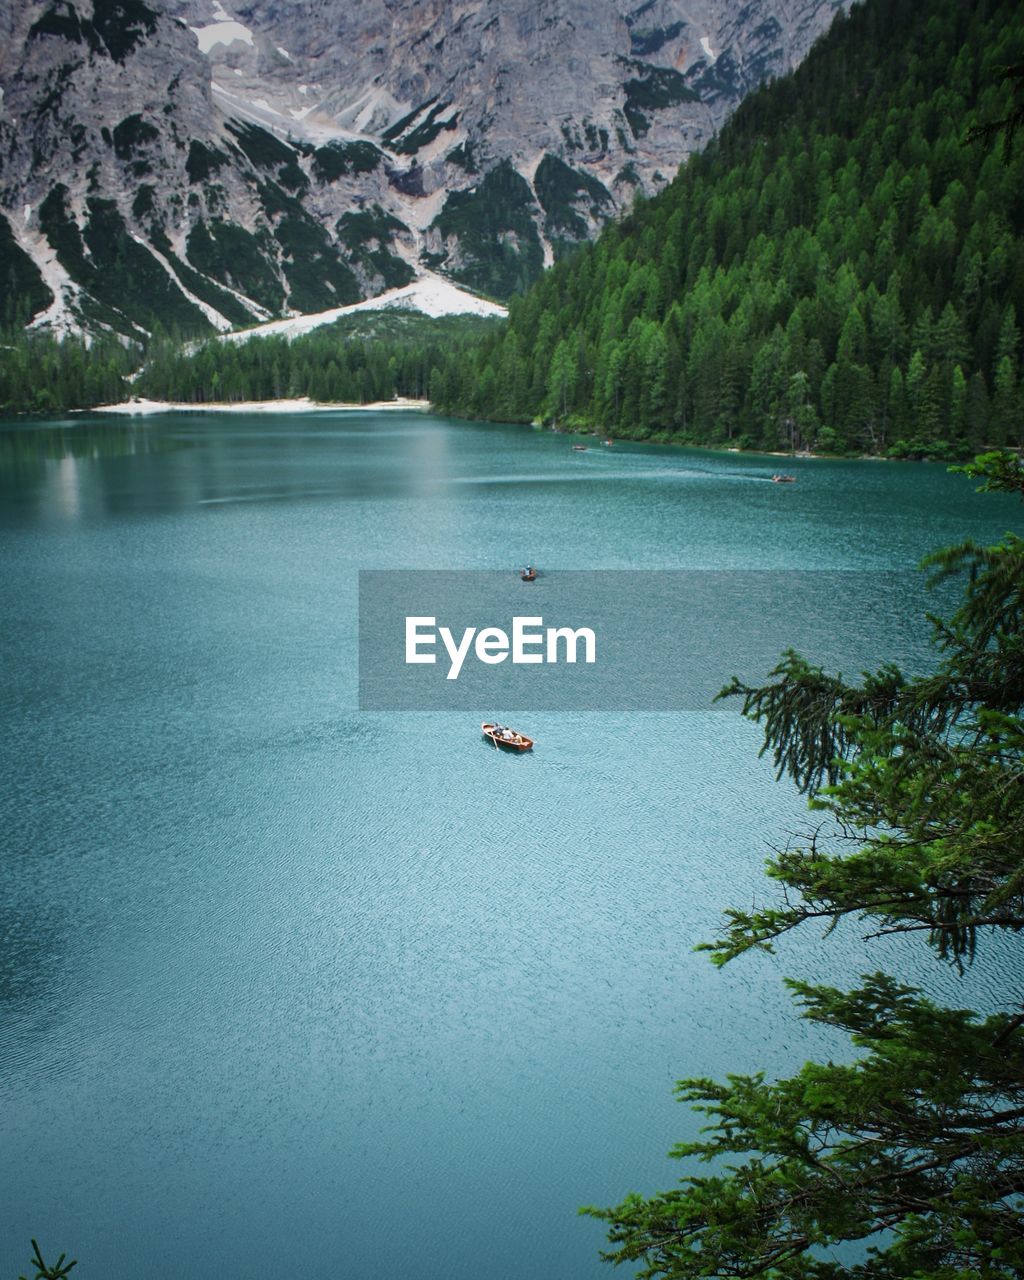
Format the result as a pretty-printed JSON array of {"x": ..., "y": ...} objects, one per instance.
[{"x": 281, "y": 980}]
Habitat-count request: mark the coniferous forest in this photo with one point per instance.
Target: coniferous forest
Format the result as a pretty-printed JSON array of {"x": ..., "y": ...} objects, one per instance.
[
  {"x": 357, "y": 360},
  {"x": 841, "y": 270},
  {"x": 41, "y": 374}
]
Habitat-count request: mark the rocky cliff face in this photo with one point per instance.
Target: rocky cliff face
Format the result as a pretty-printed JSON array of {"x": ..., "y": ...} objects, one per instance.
[{"x": 198, "y": 163}]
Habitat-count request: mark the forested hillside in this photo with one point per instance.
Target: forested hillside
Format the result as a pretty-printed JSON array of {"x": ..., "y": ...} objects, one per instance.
[
  {"x": 358, "y": 359},
  {"x": 840, "y": 270}
]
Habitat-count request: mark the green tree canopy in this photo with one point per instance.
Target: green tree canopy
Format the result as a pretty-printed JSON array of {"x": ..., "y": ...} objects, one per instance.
[
  {"x": 907, "y": 1161},
  {"x": 836, "y": 232}
]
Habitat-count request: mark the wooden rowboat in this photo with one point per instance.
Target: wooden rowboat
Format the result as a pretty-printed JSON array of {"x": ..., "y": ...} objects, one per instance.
[
  {"x": 496, "y": 732},
  {"x": 580, "y": 448},
  {"x": 783, "y": 479},
  {"x": 528, "y": 575}
]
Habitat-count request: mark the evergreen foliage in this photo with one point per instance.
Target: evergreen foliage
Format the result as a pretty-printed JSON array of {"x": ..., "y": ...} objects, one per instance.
[
  {"x": 360, "y": 359},
  {"x": 40, "y": 374},
  {"x": 653, "y": 89},
  {"x": 237, "y": 258},
  {"x": 203, "y": 162},
  {"x": 837, "y": 271},
  {"x": 21, "y": 285},
  {"x": 132, "y": 134},
  {"x": 336, "y": 159},
  {"x": 367, "y": 234},
  {"x": 561, "y": 191},
  {"x": 117, "y": 25},
  {"x": 437, "y": 119},
  {"x": 58, "y": 1271},
  {"x": 907, "y": 1161},
  {"x": 502, "y": 206},
  {"x": 115, "y": 268}
]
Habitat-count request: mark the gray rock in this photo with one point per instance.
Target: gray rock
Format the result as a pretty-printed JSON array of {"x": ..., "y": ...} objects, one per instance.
[{"x": 212, "y": 162}]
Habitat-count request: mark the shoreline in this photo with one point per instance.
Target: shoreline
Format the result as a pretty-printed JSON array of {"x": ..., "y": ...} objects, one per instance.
[
  {"x": 143, "y": 408},
  {"x": 804, "y": 455},
  {"x": 732, "y": 450}
]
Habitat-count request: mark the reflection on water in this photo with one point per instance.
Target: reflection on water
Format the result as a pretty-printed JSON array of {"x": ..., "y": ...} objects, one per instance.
[
  {"x": 25, "y": 444},
  {"x": 92, "y": 467},
  {"x": 46, "y": 466}
]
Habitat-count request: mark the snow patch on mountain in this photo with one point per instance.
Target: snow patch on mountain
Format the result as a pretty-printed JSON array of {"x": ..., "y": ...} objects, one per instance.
[
  {"x": 372, "y": 111},
  {"x": 221, "y": 33},
  {"x": 430, "y": 296},
  {"x": 59, "y": 317},
  {"x": 311, "y": 124}
]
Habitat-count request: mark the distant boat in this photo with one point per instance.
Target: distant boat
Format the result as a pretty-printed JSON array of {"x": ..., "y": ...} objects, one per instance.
[
  {"x": 580, "y": 448},
  {"x": 609, "y": 443},
  {"x": 783, "y": 479},
  {"x": 508, "y": 738},
  {"x": 528, "y": 574}
]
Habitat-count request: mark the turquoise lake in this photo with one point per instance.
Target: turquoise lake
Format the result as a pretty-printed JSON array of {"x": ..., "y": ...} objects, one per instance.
[{"x": 284, "y": 980}]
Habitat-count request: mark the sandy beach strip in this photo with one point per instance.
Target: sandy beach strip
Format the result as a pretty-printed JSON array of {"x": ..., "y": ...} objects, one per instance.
[{"x": 301, "y": 404}]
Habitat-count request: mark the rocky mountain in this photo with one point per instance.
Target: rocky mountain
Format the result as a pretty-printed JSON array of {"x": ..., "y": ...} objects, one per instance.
[{"x": 206, "y": 164}]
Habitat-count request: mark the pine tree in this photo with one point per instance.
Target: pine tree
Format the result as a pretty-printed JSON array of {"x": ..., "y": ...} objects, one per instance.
[{"x": 911, "y": 1149}]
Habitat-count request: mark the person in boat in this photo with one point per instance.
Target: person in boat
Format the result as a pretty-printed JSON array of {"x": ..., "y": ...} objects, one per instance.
[{"x": 508, "y": 735}]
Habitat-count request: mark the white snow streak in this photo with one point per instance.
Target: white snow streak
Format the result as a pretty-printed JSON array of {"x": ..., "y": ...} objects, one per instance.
[
  {"x": 215, "y": 318},
  {"x": 430, "y": 296},
  {"x": 221, "y": 33},
  {"x": 58, "y": 317},
  {"x": 308, "y": 124}
]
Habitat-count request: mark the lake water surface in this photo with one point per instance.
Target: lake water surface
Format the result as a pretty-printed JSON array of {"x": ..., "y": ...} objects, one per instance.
[{"x": 286, "y": 988}]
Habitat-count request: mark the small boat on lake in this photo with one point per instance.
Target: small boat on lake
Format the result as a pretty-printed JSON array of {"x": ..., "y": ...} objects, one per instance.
[
  {"x": 507, "y": 738},
  {"x": 580, "y": 448},
  {"x": 528, "y": 574},
  {"x": 608, "y": 443},
  {"x": 779, "y": 478}
]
